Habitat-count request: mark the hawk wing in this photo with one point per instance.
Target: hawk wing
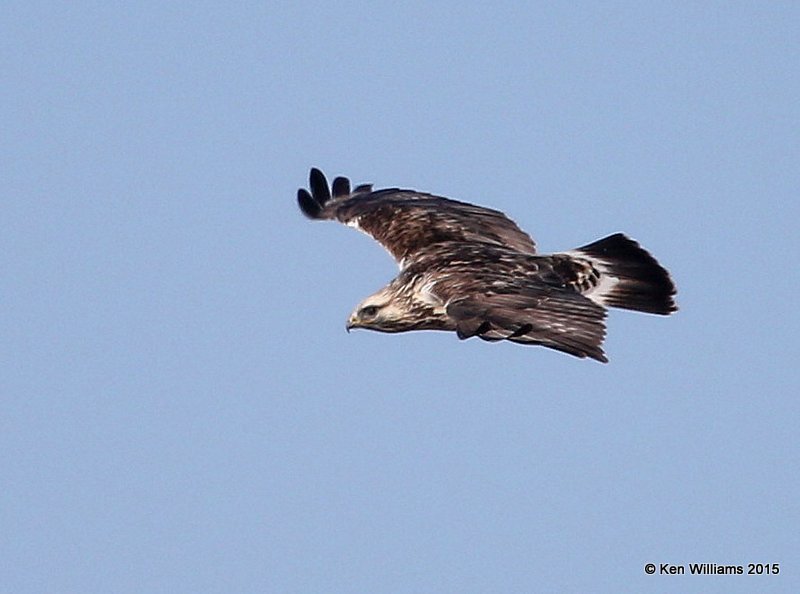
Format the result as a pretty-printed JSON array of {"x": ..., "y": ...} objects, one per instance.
[
  {"x": 556, "y": 319},
  {"x": 406, "y": 222},
  {"x": 496, "y": 294}
]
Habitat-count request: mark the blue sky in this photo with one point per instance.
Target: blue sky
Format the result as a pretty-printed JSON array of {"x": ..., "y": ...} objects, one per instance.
[{"x": 182, "y": 408}]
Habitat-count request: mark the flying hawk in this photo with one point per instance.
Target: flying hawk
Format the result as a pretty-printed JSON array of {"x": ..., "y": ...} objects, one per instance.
[{"x": 471, "y": 270}]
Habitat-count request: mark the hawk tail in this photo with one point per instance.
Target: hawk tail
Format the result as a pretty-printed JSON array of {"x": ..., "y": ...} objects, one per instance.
[{"x": 629, "y": 277}]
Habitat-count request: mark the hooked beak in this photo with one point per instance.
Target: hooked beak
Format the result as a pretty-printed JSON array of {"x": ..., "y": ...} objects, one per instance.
[{"x": 351, "y": 323}]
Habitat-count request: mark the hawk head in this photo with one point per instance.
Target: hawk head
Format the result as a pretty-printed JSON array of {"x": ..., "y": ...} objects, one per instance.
[
  {"x": 383, "y": 311},
  {"x": 395, "y": 309}
]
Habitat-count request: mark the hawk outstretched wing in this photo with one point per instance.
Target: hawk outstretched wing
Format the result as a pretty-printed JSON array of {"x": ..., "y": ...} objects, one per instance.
[{"x": 406, "y": 222}]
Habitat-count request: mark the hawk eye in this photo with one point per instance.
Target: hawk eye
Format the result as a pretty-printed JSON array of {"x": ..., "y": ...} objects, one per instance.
[{"x": 369, "y": 311}]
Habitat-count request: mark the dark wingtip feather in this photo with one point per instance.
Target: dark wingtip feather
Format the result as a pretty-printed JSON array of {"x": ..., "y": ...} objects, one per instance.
[
  {"x": 308, "y": 205},
  {"x": 319, "y": 186},
  {"x": 341, "y": 187},
  {"x": 363, "y": 188}
]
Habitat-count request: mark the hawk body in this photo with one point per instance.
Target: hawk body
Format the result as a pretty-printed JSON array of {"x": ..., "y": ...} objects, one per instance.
[{"x": 471, "y": 270}]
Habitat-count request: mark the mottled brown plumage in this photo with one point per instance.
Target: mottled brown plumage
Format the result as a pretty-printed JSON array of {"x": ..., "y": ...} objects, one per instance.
[{"x": 471, "y": 270}]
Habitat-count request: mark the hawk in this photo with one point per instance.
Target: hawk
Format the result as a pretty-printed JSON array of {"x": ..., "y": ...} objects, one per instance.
[{"x": 471, "y": 270}]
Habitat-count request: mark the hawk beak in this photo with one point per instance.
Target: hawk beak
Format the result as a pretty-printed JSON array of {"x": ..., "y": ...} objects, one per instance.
[{"x": 351, "y": 323}]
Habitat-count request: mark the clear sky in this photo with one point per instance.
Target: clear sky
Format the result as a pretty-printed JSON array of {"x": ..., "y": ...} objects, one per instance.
[{"x": 182, "y": 410}]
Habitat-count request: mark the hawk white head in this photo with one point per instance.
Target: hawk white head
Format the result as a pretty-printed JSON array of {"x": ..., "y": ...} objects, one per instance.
[{"x": 380, "y": 311}]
